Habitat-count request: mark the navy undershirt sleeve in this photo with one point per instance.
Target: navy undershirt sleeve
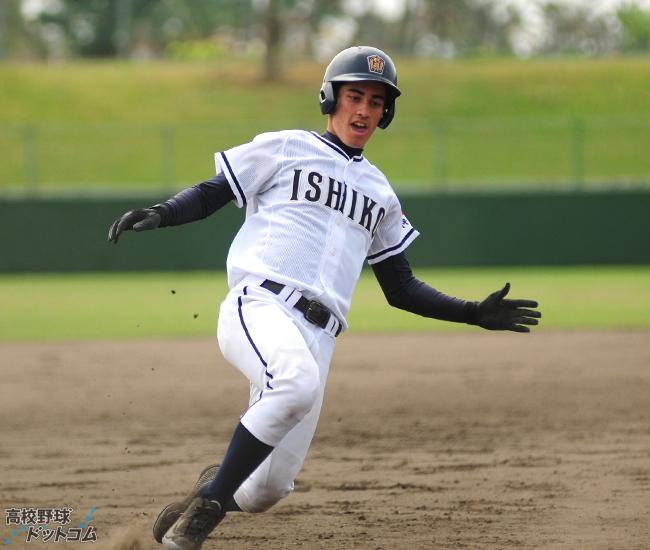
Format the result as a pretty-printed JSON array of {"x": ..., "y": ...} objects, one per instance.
[
  {"x": 196, "y": 202},
  {"x": 404, "y": 291}
]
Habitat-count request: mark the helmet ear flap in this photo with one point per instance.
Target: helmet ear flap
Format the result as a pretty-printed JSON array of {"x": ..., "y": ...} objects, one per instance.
[
  {"x": 388, "y": 116},
  {"x": 327, "y": 97}
]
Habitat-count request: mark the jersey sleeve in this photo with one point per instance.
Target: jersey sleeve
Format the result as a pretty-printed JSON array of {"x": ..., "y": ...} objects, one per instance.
[
  {"x": 394, "y": 234},
  {"x": 249, "y": 168}
]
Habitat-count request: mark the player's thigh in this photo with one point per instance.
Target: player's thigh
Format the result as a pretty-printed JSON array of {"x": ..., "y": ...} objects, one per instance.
[
  {"x": 274, "y": 479},
  {"x": 261, "y": 340},
  {"x": 297, "y": 442}
]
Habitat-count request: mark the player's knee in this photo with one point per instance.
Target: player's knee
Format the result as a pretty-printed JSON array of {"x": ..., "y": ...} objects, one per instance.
[
  {"x": 264, "y": 496},
  {"x": 301, "y": 394}
]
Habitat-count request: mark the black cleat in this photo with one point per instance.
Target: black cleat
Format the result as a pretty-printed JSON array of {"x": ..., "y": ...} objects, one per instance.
[
  {"x": 194, "y": 525},
  {"x": 170, "y": 513}
]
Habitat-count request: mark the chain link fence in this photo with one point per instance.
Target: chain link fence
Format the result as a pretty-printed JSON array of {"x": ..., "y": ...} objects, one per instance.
[{"x": 441, "y": 154}]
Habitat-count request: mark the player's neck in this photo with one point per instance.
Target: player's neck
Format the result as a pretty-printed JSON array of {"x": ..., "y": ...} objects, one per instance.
[{"x": 351, "y": 151}]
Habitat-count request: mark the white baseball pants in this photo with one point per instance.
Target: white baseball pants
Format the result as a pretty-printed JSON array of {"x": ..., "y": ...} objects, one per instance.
[{"x": 286, "y": 359}]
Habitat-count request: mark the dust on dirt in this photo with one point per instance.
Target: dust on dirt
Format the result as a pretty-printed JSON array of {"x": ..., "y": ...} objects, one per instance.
[{"x": 461, "y": 440}]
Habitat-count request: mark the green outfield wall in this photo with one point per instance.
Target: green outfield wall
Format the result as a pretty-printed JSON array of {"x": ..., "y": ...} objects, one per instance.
[{"x": 490, "y": 228}]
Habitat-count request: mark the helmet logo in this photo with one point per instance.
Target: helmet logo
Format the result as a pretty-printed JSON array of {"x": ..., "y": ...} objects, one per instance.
[{"x": 376, "y": 64}]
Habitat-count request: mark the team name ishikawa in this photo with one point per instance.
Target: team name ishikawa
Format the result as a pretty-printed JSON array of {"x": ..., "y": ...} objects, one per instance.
[{"x": 337, "y": 195}]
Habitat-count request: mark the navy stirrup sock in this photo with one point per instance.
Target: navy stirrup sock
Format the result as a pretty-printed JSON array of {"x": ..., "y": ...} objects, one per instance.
[{"x": 245, "y": 453}]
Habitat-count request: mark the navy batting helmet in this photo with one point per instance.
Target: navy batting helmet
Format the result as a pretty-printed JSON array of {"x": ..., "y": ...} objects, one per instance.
[{"x": 356, "y": 64}]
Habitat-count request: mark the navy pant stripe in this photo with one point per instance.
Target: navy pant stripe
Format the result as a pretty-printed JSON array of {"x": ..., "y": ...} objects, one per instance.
[{"x": 250, "y": 339}]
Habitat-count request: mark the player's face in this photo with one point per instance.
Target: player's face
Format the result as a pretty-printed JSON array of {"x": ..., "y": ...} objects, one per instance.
[{"x": 359, "y": 109}]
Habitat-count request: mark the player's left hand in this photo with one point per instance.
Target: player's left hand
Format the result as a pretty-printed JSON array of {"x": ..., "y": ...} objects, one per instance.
[
  {"x": 141, "y": 219},
  {"x": 497, "y": 313}
]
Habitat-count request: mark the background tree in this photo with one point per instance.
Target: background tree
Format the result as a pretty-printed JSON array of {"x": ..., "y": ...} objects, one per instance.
[
  {"x": 273, "y": 36},
  {"x": 278, "y": 30},
  {"x": 15, "y": 37},
  {"x": 636, "y": 28},
  {"x": 108, "y": 28},
  {"x": 573, "y": 29}
]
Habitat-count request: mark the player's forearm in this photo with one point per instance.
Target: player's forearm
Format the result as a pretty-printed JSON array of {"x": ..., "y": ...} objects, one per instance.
[
  {"x": 404, "y": 291},
  {"x": 419, "y": 298},
  {"x": 196, "y": 202}
]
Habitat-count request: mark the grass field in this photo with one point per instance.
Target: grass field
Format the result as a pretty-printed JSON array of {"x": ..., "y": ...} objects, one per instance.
[
  {"x": 500, "y": 122},
  {"x": 116, "y": 306}
]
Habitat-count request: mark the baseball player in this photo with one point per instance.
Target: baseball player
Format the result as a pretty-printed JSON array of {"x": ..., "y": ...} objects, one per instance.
[{"x": 316, "y": 209}]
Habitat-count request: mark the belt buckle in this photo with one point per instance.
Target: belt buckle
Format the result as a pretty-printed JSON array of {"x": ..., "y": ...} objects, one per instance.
[{"x": 317, "y": 313}]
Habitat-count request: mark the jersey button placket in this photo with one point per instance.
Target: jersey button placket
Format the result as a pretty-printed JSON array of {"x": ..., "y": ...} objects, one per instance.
[
  {"x": 338, "y": 217},
  {"x": 335, "y": 238}
]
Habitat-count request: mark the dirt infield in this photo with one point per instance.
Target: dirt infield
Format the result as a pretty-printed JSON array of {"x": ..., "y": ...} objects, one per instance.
[{"x": 478, "y": 440}]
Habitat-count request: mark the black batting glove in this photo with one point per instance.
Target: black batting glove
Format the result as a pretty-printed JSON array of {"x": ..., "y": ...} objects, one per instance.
[
  {"x": 136, "y": 220},
  {"x": 497, "y": 313}
]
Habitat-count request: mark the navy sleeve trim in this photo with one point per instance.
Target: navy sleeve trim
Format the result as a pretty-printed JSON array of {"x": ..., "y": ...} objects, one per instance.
[
  {"x": 234, "y": 178},
  {"x": 386, "y": 250}
]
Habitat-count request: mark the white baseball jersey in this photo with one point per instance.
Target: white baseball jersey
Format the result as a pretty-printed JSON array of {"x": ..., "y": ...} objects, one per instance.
[{"x": 313, "y": 215}]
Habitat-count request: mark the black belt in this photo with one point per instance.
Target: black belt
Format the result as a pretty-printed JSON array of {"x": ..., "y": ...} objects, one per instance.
[{"x": 314, "y": 311}]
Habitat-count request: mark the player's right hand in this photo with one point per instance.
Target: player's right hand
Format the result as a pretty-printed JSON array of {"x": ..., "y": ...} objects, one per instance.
[{"x": 137, "y": 220}]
